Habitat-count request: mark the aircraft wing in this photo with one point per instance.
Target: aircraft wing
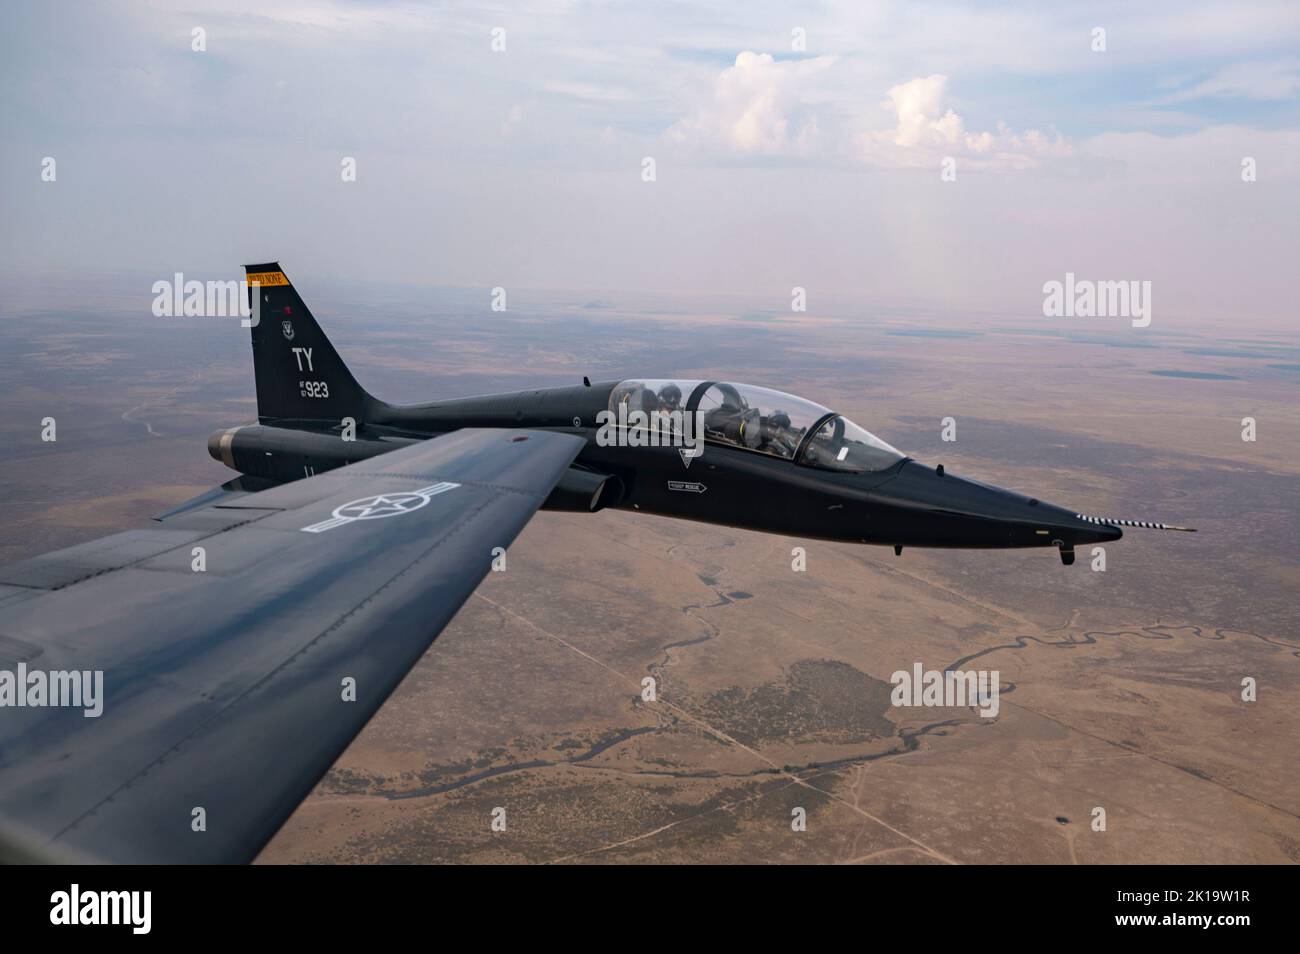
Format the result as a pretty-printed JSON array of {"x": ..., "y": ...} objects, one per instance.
[{"x": 226, "y": 690}]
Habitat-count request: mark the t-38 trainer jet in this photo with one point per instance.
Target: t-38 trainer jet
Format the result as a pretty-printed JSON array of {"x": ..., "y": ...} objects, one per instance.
[{"x": 172, "y": 694}]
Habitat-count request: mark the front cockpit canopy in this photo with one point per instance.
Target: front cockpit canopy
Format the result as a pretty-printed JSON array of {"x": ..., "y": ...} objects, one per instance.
[{"x": 753, "y": 418}]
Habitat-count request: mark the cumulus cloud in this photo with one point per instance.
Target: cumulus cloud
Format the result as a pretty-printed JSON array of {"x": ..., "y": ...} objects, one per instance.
[
  {"x": 928, "y": 129},
  {"x": 762, "y": 107},
  {"x": 757, "y": 106}
]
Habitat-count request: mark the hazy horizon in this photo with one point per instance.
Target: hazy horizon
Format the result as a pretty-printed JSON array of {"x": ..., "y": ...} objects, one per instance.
[{"x": 775, "y": 166}]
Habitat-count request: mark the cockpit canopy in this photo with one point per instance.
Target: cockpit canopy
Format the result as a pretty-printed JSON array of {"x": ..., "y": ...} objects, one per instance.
[{"x": 754, "y": 418}]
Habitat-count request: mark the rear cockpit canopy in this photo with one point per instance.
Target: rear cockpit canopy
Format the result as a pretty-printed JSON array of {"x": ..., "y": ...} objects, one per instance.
[{"x": 755, "y": 419}]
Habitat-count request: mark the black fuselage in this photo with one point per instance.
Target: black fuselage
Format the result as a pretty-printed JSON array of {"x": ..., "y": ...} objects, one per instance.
[{"x": 906, "y": 504}]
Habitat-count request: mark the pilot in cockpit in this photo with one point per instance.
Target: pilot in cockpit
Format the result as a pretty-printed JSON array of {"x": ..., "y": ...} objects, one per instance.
[
  {"x": 670, "y": 397},
  {"x": 779, "y": 437},
  {"x": 659, "y": 405}
]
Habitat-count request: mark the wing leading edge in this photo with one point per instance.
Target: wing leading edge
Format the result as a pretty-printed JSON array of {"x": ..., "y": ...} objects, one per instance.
[{"x": 224, "y": 689}]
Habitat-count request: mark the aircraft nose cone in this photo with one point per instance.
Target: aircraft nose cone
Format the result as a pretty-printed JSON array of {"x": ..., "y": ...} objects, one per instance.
[
  {"x": 1101, "y": 532},
  {"x": 979, "y": 514},
  {"x": 1075, "y": 528}
]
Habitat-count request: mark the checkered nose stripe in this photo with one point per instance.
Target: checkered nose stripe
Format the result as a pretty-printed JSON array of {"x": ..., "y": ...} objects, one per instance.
[
  {"x": 1144, "y": 524},
  {"x": 1114, "y": 522}
]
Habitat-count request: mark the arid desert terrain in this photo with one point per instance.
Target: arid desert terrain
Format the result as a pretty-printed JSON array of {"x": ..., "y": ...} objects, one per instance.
[{"x": 1121, "y": 689}]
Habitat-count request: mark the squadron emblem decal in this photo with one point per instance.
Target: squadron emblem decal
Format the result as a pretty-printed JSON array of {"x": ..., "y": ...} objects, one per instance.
[
  {"x": 287, "y": 328},
  {"x": 381, "y": 505}
]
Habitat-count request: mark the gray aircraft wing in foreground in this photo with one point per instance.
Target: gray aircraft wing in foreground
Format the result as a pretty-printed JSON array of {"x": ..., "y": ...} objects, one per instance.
[{"x": 228, "y": 671}]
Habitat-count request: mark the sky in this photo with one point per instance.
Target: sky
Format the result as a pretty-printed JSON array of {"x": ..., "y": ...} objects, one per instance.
[{"x": 792, "y": 145}]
